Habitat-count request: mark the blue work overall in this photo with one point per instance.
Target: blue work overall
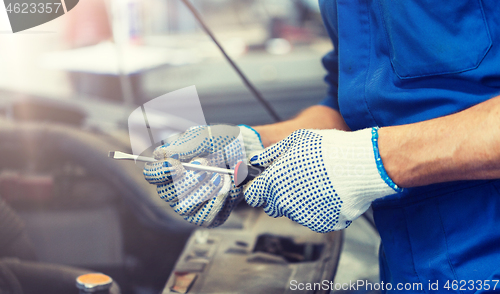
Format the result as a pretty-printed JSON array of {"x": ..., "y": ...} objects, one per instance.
[{"x": 400, "y": 62}]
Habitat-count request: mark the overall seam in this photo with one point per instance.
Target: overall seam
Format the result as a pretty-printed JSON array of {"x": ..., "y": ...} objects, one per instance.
[
  {"x": 446, "y": 243},
  {"x": 368, "y": 65},
  {"x": 411, "y": 250}
]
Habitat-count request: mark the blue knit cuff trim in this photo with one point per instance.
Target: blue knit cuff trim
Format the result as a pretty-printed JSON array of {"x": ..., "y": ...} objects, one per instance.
[
  {"x": 380, "y": 164},
  {"x": 256, "y": 133}
]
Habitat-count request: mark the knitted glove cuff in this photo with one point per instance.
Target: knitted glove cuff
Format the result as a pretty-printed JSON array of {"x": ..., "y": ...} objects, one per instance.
[
  {"x": 352, "y": 167},
  {"x": 251, "y": 139}
]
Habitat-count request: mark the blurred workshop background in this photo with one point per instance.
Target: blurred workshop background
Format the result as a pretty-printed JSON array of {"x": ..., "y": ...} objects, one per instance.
[
  {"x": 159, "y": 46},
  {"x": 67, "y": 88}
]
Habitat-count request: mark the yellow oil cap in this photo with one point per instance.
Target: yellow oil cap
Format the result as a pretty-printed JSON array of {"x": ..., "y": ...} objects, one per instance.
[{"x": 93, "y": 282}]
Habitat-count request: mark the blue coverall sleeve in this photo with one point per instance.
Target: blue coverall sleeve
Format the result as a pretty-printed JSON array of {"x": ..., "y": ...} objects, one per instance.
[
  {"x": 330, "y": 60},
  {"x": 331, "y": 78}
]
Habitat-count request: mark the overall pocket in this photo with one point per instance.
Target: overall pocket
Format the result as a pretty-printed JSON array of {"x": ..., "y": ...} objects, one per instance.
[{"x": 432, "y": 37}]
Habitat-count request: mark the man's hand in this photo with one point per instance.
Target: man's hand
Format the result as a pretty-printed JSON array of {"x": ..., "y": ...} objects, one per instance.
[
  {"x": 322, "y": 179},
  {"x": 202, "y": 198}
]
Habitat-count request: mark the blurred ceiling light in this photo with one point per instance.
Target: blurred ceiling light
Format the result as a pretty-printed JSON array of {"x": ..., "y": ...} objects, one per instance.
[{"x": 278, "y": 46}]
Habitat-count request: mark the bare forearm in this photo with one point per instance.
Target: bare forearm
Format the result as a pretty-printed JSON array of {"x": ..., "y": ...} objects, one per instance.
[
  {"x": 461, "y": 146},
  {"x": 314, "y": 117}
]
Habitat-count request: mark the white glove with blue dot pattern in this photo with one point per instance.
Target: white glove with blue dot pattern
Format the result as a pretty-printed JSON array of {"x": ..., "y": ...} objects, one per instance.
[
  {"x": 322, "y": 179},
  {"x": 202, "y": 198}
]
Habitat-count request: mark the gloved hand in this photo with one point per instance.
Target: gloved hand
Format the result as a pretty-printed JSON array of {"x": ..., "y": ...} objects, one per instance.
[
  {"x": 322, "y": 179},
  {"x": 202, "y": 198}
]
